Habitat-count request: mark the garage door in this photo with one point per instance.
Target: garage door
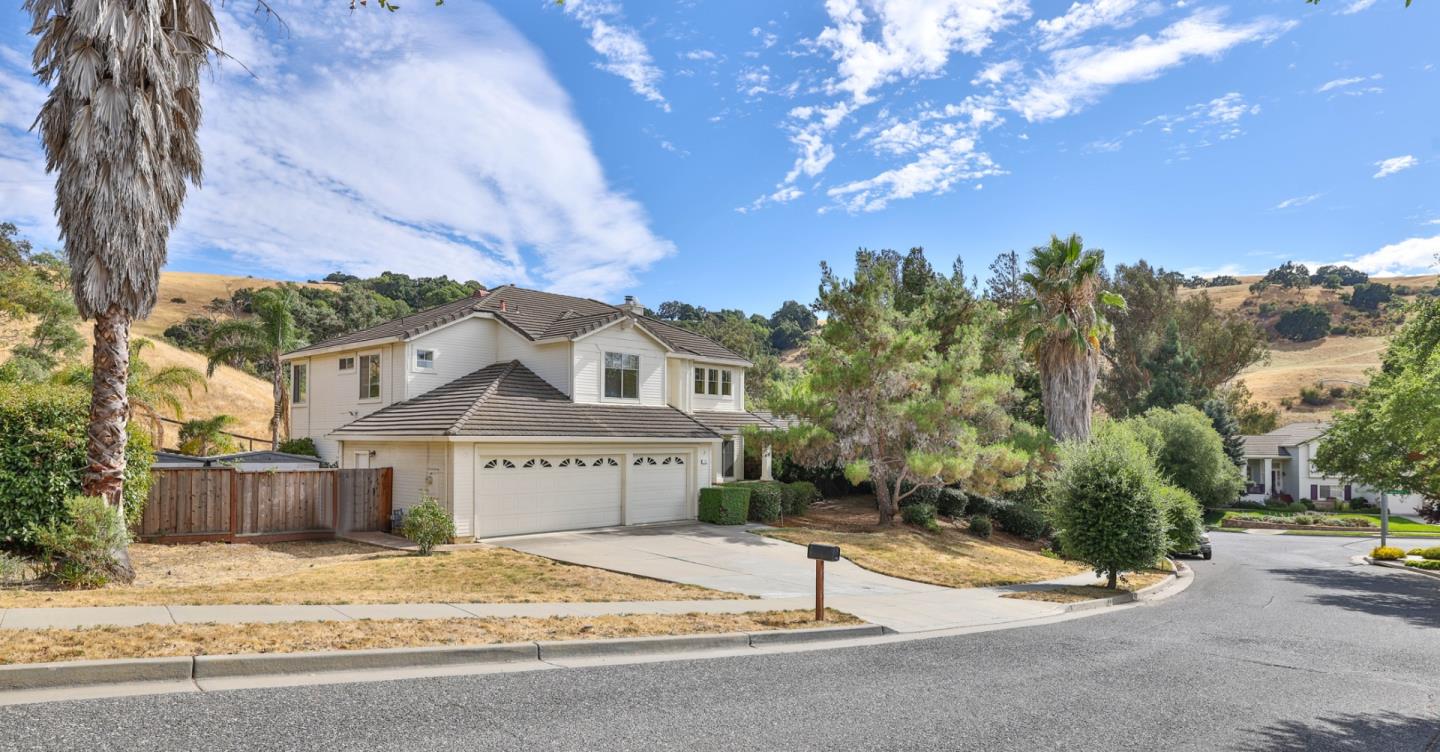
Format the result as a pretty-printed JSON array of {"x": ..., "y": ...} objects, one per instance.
[
  {"x": 519, "y": 494},
  {"x": 658, "y": 488}
]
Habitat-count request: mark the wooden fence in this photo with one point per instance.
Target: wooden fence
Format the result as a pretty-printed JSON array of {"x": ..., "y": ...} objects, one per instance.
[{"x": 193, "y": 505}]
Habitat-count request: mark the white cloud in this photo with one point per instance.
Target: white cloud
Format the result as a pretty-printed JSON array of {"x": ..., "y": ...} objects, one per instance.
[
  {"x": 936, "y": 170},
  {"x": 1409, "y": 256},
  {"x": 767, "y": 39},
  {"x": 1297, "y": 201},
  {"x": 326, "y": 163},
  {"x": 1085, "y": 16},
  {"x": 622, "y": 48},
  {"x": 875, "y": 42},
  {"x": 1347, "y": 85},
  {"x": 700, "y": 55},
  {"x": 1393, "y": 165},
  {"x": 996, "y": 73},
  {"x": 1079, "y": 76},
  {"x": 1356, "y": 6}
]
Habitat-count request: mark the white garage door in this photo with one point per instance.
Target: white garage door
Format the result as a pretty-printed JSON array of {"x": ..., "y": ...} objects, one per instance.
[
  {"x": 519, "y": 494},
  {"x": 658, "y": 488}
]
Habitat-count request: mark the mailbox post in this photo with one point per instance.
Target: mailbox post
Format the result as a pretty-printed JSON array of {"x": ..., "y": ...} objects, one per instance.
[{"x": 821, "y": 553}]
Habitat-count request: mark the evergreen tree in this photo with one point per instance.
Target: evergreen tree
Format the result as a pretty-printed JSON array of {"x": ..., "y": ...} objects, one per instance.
[
  {"x": 1225, "y": 424},
  {"x": 1005, "y": 286},
  {"x": 1175, "y": 376}
]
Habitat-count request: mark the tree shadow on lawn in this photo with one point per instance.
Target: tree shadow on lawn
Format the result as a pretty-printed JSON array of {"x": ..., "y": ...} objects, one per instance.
[
  {"x": 1348, "y": 733},
  {"x": 1393, "y": 595}
]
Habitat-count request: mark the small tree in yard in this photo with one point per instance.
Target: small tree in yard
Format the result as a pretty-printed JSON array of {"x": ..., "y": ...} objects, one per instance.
[
  {"x": 878, "y": 397},
  {"x": 428, "y": 525},
  {"x": 1104, "y": 503},
  {"x": 1184, "y": 519},
  {"x": 1190, "y": 453}
]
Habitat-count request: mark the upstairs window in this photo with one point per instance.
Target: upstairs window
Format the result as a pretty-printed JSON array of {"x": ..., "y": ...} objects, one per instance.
[
  {"x": 713, "y": 386},
  {"x": 370, "y": 376},
  {"x": 425, "y": 360},
  {"x": 347, "y": 364},
  {"x": 299, "y": 383},
  {"x": 622, "y": 376},
  {"x": 725, "y": 383},
  {"x": 699, "y": 380}
]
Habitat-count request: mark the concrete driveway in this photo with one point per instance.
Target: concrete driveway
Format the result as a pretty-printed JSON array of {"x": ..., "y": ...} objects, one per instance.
[{"x": 736, "y": 560}]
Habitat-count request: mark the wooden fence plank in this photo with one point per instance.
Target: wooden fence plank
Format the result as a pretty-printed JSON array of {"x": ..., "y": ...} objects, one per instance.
[{"x": 195, "y": 504}]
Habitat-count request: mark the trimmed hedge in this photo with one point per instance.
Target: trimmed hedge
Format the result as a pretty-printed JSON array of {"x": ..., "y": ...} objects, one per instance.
[
  {"x": 767, "y": 500},
  {"x": 1022, "y": 520},
  {"x": 980, "y": 525},
  {"x": 724, "y": 505},
  {"x": 952, "y": 503},
  {"x": 978, "y": 504},
  {"x": 42, "y": 458},
  {"x": 1427, "y": 564},
  {"x": 1387, "y": 553},
  {"x": 803, "y": 493},
  {"x": 920, "y": 515}
]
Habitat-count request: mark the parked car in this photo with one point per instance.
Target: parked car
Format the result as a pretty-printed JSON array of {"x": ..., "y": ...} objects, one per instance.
[{"x": 1203, "y": 550}]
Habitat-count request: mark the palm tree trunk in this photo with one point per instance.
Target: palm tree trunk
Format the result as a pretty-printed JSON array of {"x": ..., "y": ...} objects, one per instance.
[
  {"x": 1068, "y": 391},
  {"x": 278, "y": 382},
  {"x": 109, "y": 411}
]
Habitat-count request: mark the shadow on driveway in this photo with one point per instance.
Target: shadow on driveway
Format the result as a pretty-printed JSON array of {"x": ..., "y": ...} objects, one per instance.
[
  {"x": 1396, "y": 596},
  {"x": 1349, "y": 733}
]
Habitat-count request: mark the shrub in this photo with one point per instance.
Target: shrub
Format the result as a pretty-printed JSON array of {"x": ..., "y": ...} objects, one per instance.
[
  {"x": 767, "y": 500},
  {"x": 1184, "y": 520},
  {"x": 1427, "y": 564},
  {"x": 921, "y": 495},
  {"x": 805, "y": 493},
  {"x": 1022, "y": 520},
  {"x": 1368, "y": 296},
  {"x": 428, "y": 525},
  {"x": 305, "y": 446},
  {"x": 1315, "y": 396},
  {"x": 78, "y": 551},
  {"x": 1361, "y": 503},
  {"x": 1248, "y": 505},
  {"x": 1307, "y": 504},
  {"x": 724, "y": 505},
  {"x": 920, "y": 515},
  {"x": 1105, "y": 505},
  {"x": 1432, "y": 553},
  {"x": 983, "y": 505},
  {"x": 1188, "y": 450},
  {"x": 980, "y": 525},
  {"x": 42, "y": 458},
  {"x": 952, "y": 503},
  {"x": 12, "y": 569},
  {"x": 1386, "y": 553},
  {"x": 1303, "y": 323},
  {"x": 1276, "y": 502}
]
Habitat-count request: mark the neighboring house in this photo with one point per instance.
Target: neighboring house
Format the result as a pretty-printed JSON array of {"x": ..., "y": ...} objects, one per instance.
[
  {"x": 1282, "y": 462},
  {"x": 255, "y": 461},
  {"x": 523, "y": 411}
]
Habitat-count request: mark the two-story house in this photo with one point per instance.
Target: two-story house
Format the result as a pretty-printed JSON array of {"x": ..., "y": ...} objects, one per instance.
[
  {"x": 1283, "y": 462},
  {"x": 523, "y": 411}
]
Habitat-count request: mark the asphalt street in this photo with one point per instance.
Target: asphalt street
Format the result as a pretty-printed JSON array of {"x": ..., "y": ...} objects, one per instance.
[{"x": 1280, "y": 644}]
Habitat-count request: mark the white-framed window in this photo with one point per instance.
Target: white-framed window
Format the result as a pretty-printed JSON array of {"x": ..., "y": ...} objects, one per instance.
[
  {"x": 424, "y": 360},
  {"x": 713, "y": 383},
  {"x": 622, "y": 376},
  {"x": 299, "y": 383},
  {"x": 725, "y": 383},
  {"x": 347, "y": 364},
  {"x": 369, "y": 377},
  {"x": 699, "y": 380}
]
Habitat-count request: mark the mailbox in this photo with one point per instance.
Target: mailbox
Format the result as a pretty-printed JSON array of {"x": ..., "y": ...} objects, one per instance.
[{"x": 823, "y": 552}]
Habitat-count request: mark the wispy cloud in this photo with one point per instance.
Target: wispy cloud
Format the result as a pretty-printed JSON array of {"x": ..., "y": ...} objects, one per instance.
[
  {"x": 1297, "y": 201},
  {"x": 1085, "y": 16},
  {"x": 1079, "y": 76},
  {"x": 1393, "y": 165},
  {"x": 1355, "y": 6},
  {"x": 1348, "y": 85},
  {"x": 624, "y": 52}
]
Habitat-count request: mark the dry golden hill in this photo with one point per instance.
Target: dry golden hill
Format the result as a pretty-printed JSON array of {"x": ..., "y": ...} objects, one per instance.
[{"x": 1337, "y": 360}]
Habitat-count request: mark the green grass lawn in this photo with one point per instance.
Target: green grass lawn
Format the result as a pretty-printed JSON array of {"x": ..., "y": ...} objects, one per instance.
[{"x": 1398, "y": 525}]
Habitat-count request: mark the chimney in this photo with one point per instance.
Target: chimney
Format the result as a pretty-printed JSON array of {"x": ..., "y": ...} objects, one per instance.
[
  {"x": 631, "y": 305},
  {"x": 503, "y": 306}
]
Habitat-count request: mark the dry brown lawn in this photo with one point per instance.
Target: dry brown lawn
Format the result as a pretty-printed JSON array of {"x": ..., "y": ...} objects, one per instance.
[
  {"x": 951, "y": 557},
  {"x": 1129, "y": 582},
  {"x": 156, "y": 641},
  {"x": 341, "y": 572}
]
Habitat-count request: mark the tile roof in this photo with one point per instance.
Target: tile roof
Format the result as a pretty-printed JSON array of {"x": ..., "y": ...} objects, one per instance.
[
  {"x": 535, "y": 315},
  {"x": 731, "y": 421},
  {"x": 508, "y": 399}
]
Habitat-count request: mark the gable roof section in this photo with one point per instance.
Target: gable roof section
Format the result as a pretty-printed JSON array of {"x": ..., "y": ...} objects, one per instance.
[
  {"x": 508, "y": 399},
  {"x": 535, "y": 315},
  {"x": 1275, "y": 443}
]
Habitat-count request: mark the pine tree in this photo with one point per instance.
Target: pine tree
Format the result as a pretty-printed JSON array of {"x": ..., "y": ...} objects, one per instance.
[
  {"x": 1175, "y": 377},
  {"x": 1225, "y": 424},
  {"x": 1004, "y": 285}
]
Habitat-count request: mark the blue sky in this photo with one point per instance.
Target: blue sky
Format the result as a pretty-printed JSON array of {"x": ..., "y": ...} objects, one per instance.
[{"x": 716, "y": 152}]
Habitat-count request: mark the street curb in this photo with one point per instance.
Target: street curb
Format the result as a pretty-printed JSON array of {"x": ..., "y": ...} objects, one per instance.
[
  {"x": 75, "y": 673},
  {"x": 1401, "y": 567},
  {"x": 215, "y": 666},
  {"x": 1149, "y": 592}
]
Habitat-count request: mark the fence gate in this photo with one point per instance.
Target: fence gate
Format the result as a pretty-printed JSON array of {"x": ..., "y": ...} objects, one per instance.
[{"x": 194, "y": 505}]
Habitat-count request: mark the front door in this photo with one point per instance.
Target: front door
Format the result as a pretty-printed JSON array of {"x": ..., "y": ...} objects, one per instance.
[
  {"x": 1274, "y": 482},
  {"x": 727, "y": 458}
]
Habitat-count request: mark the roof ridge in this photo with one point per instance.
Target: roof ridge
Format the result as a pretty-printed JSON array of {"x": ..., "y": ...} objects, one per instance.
[{"x": 484, "y": 395}]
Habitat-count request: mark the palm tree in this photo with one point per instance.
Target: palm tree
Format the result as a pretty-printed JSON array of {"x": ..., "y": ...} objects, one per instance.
[
  {"x": 119, "y": 130},
  {"x": 148, "y": 388},
  {"x": 1064, "y": 328},
  {"x": 203, "y": 437},
  {"x": 261, "y": 339}
]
